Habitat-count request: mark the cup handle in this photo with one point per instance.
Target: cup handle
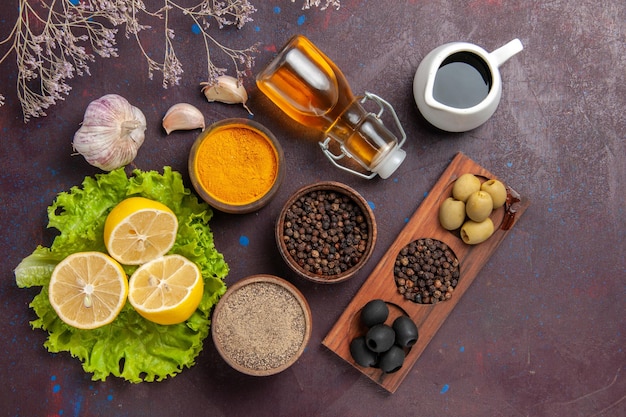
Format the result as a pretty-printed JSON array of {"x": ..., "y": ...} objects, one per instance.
[{"x": 503, "y": 53}]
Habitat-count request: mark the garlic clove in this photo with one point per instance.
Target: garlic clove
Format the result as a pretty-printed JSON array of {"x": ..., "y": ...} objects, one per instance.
[
  {"x": 111, "y": 133},
  {"x": 183, "y": 116},
  {"x": 226, "y": 89}
]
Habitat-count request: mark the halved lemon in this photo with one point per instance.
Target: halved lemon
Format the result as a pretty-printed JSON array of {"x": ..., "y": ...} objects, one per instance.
[
  {"x": 166, "y": 290},
  {"x": 139, "y": 230},
  {"x": 88, "y": 289}
]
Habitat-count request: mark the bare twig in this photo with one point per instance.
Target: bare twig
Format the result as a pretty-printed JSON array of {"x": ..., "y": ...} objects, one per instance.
[{"x": 55, "y": 40}]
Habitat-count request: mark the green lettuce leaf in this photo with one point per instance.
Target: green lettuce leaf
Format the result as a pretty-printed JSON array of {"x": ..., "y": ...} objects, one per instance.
[{"x": 130, "y": 347}]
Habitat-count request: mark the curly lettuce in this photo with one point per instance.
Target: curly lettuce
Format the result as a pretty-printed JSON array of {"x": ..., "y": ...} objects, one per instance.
[{"x": 130, "y": 347}]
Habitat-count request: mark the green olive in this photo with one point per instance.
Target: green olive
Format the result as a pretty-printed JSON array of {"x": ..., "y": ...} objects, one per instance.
[
  {"x": 479, "y": 206},
  {"x": 465, "y": 185},
  {"x": 451, "y": 213},
  {"x": 473, "y": 232},
  {"x": 496, "y": 190}
]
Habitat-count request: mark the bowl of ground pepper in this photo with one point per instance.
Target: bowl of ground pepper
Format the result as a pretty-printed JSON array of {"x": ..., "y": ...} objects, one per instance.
[
  {"x": 236, "y": 165},
  {"x": 326, "y": 232},
  {"x": 261, "y": 325}
]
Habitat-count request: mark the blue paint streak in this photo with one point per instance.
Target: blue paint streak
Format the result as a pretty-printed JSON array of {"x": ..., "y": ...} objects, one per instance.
[
  {"x": 462, "y": 349},
  {"x": 56, "y": 388},
  {"x": 244, "y": 240},
  {"x": 301, "y": 20},
  {"x": 444, "y": 389},
  {"x": 77, "y": 406},
  {"x": 276, "y": 10},
  {"x": 257, "y": 28},
  {"x": 109, "y": 397},
  {"x": 371, "y": 204},
  {"x": 195, "y": 29}
]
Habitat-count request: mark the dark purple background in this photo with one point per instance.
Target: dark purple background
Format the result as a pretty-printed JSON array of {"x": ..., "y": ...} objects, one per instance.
[{"x": 541, "y": 332}]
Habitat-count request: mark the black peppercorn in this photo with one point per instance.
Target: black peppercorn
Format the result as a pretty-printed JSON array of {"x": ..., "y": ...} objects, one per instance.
[
  {"x": 326, "y": 226},
  {"x": 431, "y": 266}
]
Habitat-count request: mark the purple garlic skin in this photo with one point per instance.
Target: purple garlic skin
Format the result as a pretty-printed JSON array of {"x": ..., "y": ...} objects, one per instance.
[{"x": 111, "y": 133}]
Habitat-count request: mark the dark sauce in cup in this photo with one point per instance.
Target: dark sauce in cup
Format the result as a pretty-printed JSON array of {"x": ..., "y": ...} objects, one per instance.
[{"x": 462, "y": 81}]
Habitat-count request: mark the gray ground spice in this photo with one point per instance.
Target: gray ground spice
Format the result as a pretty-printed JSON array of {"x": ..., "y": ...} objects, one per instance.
[{"x": 261, "y": 326}]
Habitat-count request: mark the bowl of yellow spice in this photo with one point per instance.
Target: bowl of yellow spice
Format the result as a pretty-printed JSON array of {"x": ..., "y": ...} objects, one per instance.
[{"x": 236, "y": 165}]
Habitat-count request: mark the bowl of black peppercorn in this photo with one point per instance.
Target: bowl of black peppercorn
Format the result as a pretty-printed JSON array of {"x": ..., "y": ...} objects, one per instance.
[{"x": 326, "y": 232}]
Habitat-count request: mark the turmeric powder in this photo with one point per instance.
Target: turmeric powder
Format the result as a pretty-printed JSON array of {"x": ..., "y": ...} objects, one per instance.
[{"x": 236, "y": 164}]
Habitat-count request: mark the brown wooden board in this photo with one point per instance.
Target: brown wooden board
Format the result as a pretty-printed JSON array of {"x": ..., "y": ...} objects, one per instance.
[{"x": 381, "y": 283}]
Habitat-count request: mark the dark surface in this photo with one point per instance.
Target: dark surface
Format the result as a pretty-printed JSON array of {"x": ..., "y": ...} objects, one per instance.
[{"x": 541, "y": 332}]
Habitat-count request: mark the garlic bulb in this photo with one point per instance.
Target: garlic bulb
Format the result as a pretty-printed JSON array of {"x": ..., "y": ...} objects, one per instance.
[
  {"x": 183, "y": 116},
  {"x": 111, "y": 133},
  {"x": 227, "y": 90}
]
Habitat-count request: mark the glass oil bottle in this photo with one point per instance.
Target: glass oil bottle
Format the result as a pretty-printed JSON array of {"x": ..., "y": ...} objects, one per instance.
[{"x": 309, "y": 87}]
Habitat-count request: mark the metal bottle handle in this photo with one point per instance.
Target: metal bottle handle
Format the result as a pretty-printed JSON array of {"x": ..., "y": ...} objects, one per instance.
[{"x": 334, "y": 158}]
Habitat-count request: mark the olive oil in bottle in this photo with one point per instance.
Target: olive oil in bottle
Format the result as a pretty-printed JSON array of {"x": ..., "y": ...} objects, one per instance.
[{"x": 309, "y": 88}]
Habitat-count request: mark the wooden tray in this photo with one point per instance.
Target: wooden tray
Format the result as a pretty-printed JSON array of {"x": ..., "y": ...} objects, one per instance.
[{"x": 381, "y": 284}]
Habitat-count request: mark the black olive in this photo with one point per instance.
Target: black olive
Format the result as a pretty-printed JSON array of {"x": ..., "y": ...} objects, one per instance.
[
  {"x": 406, "y": 331},
  {"x": 392, "y": 360},
  {"x": 361, "y": 354},
  {"x": 374, "y": 312},
  {"x": 380, "y": 338}
]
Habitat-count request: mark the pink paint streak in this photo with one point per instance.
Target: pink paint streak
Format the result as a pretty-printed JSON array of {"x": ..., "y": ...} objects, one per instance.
[{"x": 480, "y": 3}]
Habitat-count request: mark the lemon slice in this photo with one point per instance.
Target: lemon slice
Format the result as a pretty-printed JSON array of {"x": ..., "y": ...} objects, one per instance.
[
  {"x": 139, "y": 230},
  {"x": 166, "y": 290},
  {"x": 88, "y": 289}
]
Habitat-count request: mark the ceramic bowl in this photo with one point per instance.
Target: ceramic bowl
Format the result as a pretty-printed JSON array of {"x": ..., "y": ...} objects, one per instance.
[
  {"x": 222, "y": 176},
  {"x": 261, "y": 325},
  {"x": 335, "y": 245}
]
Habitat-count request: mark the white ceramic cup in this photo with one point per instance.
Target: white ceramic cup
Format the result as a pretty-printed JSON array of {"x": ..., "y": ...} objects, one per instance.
[{"x": 454, "y": 117}]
